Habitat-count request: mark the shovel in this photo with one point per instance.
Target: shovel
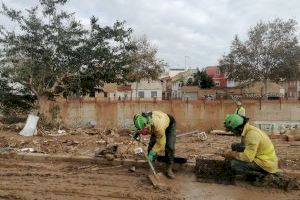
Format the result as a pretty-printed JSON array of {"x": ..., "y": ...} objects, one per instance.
[{"x": 155, "y": 178}]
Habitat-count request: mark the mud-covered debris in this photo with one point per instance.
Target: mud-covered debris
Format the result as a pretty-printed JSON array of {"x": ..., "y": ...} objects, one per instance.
[
  {"x": 219, "y": 171},
  {"x": 132, "y": 169},
  {"x": 109, "y": 156},
  {"x": 71, "y": 142},
  {"x": 124, "y": 132},
  {"x": 101, "y": 142},
  {"x": 111, "y": 149},
  {"x": 216, "y": 170},
  {"x": 6, "y": 149},
  {"x": 27, "y": 150},
  {"x": 278, "y": 180}
]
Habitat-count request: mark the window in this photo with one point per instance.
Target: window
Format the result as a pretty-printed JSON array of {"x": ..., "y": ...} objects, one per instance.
[
  {"x": 141, "y": 94},
  {"x": 218, "y": 72},
  {"x": 217, "y": 83},
  {"x": 153, "y": 94}
]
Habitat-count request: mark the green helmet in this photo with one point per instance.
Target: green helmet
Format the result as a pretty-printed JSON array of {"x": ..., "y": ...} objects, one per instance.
[
  {"x": 232, "y": 121},
  {"x": 139, "y": 121}
]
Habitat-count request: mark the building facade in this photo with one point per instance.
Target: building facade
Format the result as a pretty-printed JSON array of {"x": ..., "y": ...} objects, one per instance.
[
  {"x": 217, "y": 75},
  {"x": 147, "y": 90}
]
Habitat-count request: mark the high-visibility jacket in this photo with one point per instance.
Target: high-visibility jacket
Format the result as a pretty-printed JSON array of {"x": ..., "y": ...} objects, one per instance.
[
  {"x": 258, "y": 148},
  {"x": 159, "y": 123},
  {"x": 240, "y": 111}
]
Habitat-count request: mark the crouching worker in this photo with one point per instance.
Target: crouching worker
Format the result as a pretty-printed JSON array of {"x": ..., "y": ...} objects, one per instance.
[
  {"x": 162, "y": 128},
  {"x": 256, "y": 158}
]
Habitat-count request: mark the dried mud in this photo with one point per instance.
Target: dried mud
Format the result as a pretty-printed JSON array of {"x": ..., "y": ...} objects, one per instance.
[{"x": 64, "y": 180}]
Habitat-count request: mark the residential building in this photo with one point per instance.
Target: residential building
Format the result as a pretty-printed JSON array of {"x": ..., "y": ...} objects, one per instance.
[
  {"x": 217, "y": 75},
  {"x": 147, "y": 90},
  {"x": 292, "y": 89},
  {"x": 180, "y": 80},
  {"x": 166, "y": 87},
  {"x": 114, "y": 91},
  {"x": 190, "y": 92},
  {"x": 174, "y": 71}
]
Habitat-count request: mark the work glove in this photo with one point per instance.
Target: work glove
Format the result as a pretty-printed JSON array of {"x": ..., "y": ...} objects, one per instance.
[
  {"x": 230, "y": 154},
  {"x": 239, "y": 147},
  {"x": 136, "y": 136},
  {"x": 151, "y": 155}
]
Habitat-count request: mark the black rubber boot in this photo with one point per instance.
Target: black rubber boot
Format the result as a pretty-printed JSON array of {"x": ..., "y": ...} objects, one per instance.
[{"x": 170, "y": 172}]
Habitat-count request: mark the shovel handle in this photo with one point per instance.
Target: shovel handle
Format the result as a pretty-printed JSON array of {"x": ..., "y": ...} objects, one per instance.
[{"x": 151, "y": 166}]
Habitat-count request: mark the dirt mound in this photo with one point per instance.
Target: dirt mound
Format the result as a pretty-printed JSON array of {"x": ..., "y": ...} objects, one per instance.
[
  {"x": 214, "y": 170},
  {"x": 219, "y": 171}
]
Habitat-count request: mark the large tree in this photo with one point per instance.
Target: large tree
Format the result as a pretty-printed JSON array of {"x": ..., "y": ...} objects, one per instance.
[
  {"x": 51, "y": 52},
  {"x": 203, "y": 80},
  {"x": 268, "y": 54}
]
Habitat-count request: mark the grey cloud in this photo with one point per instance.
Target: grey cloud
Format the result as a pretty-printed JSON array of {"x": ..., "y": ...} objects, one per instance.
[{"x": 200, "y": 29}]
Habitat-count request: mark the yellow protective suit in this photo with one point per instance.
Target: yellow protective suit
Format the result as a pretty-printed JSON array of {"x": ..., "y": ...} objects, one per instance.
[
  {"x": 258, "y": 148},
  {"x": 159, "y": 123},
  {"x": 240, "y": 111}
]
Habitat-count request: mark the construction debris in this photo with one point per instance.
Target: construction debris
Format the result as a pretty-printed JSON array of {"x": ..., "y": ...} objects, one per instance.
[
  {"x": 30, "y": 127},
  {"x": 111, "y": 149},
  {"x": 132, "y": 169}
]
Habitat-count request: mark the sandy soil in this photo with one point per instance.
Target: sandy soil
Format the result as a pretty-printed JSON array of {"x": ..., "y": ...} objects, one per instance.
[
  {"x": 85, "y": 142},
  {"x": 64, "y": 180}
]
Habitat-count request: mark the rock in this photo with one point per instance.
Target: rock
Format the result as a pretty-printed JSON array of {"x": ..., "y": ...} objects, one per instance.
[
  {"x": 27, "y": 150},
  {"x": 132, "y": 169},
  {"x": 19, "y": 126},
  {"x": 101, "y": 142},
  {"x": 109, "y": 157}
]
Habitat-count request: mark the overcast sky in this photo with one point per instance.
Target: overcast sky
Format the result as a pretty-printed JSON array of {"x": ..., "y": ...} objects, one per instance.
[{"x": 196, "y": 31}]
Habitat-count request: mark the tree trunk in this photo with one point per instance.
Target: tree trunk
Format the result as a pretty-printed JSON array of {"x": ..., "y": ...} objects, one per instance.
[
  {"x": 265, "y": 89},
  {"x": 136, "y": 91},
  {"x": 43, "y": 107}
]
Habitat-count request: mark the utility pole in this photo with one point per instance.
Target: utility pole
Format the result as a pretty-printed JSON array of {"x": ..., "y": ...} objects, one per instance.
[{"x": 186, "y": 62}]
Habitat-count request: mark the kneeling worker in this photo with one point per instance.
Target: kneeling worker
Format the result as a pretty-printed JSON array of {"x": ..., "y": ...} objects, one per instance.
[
  {"x": 258, "y": 157},
  {"x": 162, "y": 128}
]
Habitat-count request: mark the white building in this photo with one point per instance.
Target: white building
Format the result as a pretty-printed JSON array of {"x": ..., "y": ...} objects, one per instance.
[
  {"x": 179, "y": 80},
  {"x": 147, "y": 90}
]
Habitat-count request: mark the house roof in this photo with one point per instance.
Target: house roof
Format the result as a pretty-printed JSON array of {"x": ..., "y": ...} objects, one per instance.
[
  {"x": 124, "y": 88},
  {"x": 183, "y": 75},
  {"x": 113, "y": 87},
  {"x": 110, "y": 87},
  {"x": 167, "y": 78}
]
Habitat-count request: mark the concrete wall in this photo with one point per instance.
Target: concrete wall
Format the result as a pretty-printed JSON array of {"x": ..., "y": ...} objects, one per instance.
[{"x": 191, "y": 115}]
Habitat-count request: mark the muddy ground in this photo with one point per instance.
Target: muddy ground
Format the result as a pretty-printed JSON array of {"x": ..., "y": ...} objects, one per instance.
[{"x": 64, "y": 180}]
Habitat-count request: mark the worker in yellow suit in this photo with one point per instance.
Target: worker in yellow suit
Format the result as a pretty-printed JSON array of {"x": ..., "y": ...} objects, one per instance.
[
  {"x": 240, "y": 110},
  {"x": 162, "y": 128},
  {"x": 258, "y": 158}
]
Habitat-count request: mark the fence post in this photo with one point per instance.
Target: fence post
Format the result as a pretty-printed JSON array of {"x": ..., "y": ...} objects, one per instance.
[{"x": 260, "y": 104}]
